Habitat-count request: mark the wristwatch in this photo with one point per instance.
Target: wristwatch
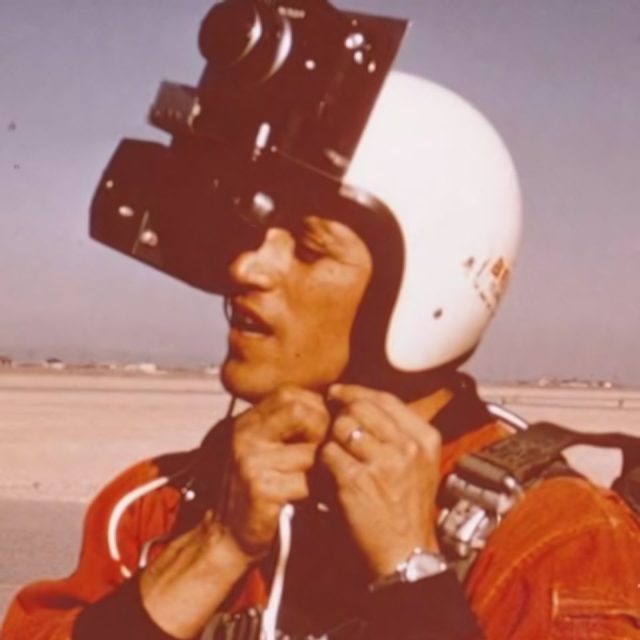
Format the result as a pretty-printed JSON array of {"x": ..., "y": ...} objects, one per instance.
[{"x": 419, "y": 565}]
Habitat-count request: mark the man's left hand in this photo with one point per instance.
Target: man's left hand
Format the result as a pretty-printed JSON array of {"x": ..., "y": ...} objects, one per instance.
[{"x": 385, "y": 460}]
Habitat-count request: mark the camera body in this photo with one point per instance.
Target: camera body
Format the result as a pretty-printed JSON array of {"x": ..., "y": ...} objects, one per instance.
[{"x": 264, "y": 138}]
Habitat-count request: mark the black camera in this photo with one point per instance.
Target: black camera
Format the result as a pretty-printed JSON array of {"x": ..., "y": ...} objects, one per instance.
[{"x": 266, "y": 136}]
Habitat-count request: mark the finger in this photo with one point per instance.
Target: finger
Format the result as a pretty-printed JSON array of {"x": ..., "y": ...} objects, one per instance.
[
  {"x": 289, "y": 414},
  {"x": 365, "y": 448},
  {"x": 295, "y": 423},
  {"x": 373, "y": 419},
  {"x": 289, "y": 458},
  {"x": 341, "y": 464},
  {"x": 403, "y": 417},
  {"x": 350, "y": 393}
]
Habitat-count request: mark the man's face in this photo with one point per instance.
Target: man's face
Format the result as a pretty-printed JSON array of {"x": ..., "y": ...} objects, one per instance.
[{"x": 291, "y": 319}]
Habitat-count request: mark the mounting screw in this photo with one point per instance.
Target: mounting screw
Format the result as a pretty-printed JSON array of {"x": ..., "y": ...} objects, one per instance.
[
  {"x": 150, "y": 238},
  {"x": 126, "y": 212},
  {"x": 263, "y": 205},
  {"x": 354, "y": 41}
]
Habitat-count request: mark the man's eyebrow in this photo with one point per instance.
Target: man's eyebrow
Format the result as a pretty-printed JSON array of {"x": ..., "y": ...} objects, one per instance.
[
  {"x": 332, "y": 236},
  {"x": 322, "y": 232},
  {"x": 325, "y": 228}
]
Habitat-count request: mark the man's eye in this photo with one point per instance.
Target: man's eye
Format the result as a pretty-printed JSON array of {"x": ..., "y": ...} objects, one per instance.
[{"x": 308, "y": 253}]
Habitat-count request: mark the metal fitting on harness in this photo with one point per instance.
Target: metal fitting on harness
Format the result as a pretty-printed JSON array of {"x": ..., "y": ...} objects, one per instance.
[
  {"x": 487, "y": 484},
  {"x": 477, "y": 511}
]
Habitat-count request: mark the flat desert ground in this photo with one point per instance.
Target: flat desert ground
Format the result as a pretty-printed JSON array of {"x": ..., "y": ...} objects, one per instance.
[{"x": 63, "y": 434}]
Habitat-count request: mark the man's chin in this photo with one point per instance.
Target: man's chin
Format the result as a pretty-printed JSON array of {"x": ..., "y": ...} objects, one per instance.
[
  {"x": 243, "y": 381},
  {"x": 252, "y": 380}
]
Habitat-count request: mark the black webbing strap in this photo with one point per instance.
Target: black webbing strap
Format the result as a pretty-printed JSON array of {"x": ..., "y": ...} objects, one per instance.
[
  {"x": 628, "y": 485},
  {"x": 525, "y": 455},
  {"x": 521, "y": 457}
]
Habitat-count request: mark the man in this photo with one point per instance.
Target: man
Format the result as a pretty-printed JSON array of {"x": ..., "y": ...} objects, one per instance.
[{"x": 313, "y": 514}]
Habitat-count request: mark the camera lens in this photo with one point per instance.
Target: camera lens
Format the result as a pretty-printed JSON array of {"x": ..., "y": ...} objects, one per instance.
[
  {"x": 245, "y": 42},
  {"x": 229, "y": 32}
]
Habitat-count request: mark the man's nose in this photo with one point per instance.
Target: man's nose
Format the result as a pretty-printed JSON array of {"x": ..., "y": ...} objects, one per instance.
[{"x": 261, "y": 267}]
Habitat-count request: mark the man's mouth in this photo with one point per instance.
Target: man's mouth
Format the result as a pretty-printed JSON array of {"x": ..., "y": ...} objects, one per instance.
[{"x": 248, "y": 321}]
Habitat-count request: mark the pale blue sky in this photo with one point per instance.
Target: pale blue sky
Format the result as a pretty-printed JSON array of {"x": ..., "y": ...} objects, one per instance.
[{"x": 559, "y": 78}]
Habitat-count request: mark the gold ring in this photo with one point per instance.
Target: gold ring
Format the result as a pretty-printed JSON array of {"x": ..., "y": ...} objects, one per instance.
[{"x": 354, "y": 435}]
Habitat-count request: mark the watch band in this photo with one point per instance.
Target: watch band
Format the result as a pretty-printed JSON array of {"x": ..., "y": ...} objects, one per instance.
[{"x": 419, "y": 565}]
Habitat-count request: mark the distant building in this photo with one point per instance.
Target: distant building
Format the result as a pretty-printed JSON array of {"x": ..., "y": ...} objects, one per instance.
[
  {"x": 142, "y": 367},
  {"x": 54, "y": 363}
]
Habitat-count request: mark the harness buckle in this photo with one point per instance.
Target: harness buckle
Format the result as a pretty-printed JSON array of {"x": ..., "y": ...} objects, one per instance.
[{"x": 475, "y": 513}]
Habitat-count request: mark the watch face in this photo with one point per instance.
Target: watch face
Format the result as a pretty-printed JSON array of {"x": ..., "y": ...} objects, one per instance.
[{"x": 423, "y": 564}]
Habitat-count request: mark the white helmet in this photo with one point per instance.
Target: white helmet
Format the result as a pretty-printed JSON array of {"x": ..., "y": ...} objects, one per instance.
[{"x": 450, "y": 183}]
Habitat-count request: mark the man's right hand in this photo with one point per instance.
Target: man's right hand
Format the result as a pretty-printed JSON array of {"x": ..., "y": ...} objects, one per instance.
[{"x": 274, "y": 446}]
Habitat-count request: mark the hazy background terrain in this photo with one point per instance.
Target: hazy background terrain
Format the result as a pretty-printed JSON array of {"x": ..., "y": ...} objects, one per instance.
[{"x": 559, "y": 78}]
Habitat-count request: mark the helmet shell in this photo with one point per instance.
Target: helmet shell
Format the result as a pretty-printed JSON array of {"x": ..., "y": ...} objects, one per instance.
[{"x": 449, "y": 181}]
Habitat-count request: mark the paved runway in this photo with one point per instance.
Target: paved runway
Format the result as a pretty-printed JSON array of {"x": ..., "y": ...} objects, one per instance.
[
  {"x": 62, "y": 435},
  {"x": 39, "y": 540}
]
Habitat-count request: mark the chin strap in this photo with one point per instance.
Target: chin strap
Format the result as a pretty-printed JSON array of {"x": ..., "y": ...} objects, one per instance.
[
  {"x": 270, "y": 615},
  {"x": 486, "y": 485}
]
